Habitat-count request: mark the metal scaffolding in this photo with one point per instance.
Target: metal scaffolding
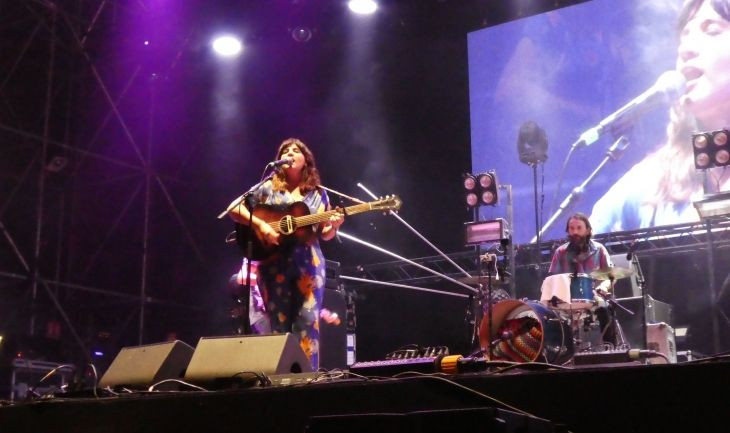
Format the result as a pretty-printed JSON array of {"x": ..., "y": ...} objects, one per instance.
[{"x": 66, "y": 193}]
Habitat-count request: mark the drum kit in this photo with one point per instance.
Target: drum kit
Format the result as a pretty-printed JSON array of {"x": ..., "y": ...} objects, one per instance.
[{"x": 571, "y": 316}]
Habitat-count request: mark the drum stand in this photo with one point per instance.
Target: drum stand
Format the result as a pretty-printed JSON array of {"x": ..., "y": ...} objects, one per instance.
[{"x": 610, "y": 298}]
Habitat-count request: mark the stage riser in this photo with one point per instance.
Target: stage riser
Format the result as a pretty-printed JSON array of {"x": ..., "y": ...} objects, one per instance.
[{"x": 640, "y": 399}]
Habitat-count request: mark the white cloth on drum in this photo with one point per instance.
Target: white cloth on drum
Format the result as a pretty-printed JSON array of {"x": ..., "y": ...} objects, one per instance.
[{"x": 557, "y": 285}]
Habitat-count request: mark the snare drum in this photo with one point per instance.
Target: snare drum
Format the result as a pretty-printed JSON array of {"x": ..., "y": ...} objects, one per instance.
[{"x": 524, "y": 331}]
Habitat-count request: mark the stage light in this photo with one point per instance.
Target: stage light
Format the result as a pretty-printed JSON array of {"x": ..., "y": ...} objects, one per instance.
[
  {"x": 480, "y": 189},
  {"x": 485, "y": 180},
  {"x": 532, "y": 143},
  {"x": 362, "y": 7},
  {"x": 470, "y": 182},
  {"x": 488, "y": 183},
  {"x": 227, "y": 46},
  {"x": 301, "y": 34},
  {"x": 471, "y": 199},
  {"x": 711, "y": 149},
  {"x": 482, "y": 232}
]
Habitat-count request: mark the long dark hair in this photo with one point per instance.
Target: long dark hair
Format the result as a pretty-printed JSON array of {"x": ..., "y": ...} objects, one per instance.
[
  {"x": 679, "y": 179},
  {"x": 722, "y": 7},
  {"x": 310, "y": 175}
]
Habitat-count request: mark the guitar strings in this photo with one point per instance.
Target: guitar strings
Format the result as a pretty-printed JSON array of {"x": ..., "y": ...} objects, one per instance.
[{"x": 305, "y": 220}]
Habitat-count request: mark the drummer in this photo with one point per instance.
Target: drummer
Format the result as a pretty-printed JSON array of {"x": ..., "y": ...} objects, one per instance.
[{"x": 582, "y": 255}]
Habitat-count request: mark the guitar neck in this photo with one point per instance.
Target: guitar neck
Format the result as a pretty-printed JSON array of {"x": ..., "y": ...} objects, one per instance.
[{"x": 324, "y": 216}]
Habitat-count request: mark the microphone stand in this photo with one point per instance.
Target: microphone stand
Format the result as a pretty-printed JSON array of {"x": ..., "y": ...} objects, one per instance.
[
  {"x": 489, "y": 304},
  {"x": 612, "y": 154},
  {"x": 642, "y": 284},
  {"x": 243, "y": 299}
]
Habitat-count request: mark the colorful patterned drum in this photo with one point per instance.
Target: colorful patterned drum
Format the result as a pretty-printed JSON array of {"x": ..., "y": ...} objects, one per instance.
[{"x": 525, "y": 331}]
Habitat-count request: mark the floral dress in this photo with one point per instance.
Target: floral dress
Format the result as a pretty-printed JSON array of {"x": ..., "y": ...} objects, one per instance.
[{"x": 292, "y": 283}]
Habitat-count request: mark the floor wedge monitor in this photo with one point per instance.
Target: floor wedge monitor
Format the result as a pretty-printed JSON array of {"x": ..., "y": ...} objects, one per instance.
[
  {"x": 142, "y": 366},
  {"x": 221, "y": 359}
]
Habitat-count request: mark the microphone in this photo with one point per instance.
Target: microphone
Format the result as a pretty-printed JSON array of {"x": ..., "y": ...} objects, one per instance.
[
  {"x": 668, "y": 87},
  {"x": 280, "y": 162}
]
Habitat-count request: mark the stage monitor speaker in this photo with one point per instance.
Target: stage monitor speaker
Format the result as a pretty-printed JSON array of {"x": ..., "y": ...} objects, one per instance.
[
  {"x": 142, "y": 366},
  {"x": 221, "y": 359}
]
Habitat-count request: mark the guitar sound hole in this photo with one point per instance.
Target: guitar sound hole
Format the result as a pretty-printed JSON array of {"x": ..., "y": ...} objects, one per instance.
[{"x": 284, "y": 225}]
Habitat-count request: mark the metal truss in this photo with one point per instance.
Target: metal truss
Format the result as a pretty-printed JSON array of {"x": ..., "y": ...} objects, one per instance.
[
  {"x": 54, "y": 258},
  {"x": 652, "y": 242},
  {"x": 690, "y": 239}
]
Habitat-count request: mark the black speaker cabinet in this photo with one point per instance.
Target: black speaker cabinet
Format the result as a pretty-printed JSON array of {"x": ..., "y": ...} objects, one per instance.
[
  {"x": 142, "y": 366},
  {"x": 333, "y": 330},
  {"x": 632, "y": 325},
  {"x": 218, "y": 359}
]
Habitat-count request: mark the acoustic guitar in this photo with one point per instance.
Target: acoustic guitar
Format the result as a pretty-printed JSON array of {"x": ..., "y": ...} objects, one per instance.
[{"x": 295, "y": 224}]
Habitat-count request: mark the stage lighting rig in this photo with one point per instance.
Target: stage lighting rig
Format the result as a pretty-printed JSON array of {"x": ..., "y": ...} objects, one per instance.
[
  {"x": 481, "y": 189},
  {"x": 711, "y": 149}
]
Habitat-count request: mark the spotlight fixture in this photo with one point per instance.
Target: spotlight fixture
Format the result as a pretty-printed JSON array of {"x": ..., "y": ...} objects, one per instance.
[
  {"x": 57, "y": 164},
  {"x": 362, "y": 7},
  {"x": 711, "y": 149},
  {"x": 301, "y": 34},
  {"x": 481, "y": 189},
  {"x": 227, "y": 46}
]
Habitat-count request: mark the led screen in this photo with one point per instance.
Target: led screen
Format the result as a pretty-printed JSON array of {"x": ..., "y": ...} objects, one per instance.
[{"x": 567, "y": 70}]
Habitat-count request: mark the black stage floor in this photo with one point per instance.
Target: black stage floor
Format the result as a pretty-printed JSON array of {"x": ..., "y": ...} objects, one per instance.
[{"x": 642, "y": 398}]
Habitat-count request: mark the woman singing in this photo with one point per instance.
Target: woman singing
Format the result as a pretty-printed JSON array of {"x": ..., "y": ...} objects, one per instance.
[{"x": 292, "y": 280}]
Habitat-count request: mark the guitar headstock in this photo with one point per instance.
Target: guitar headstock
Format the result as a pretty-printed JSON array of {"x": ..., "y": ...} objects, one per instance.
[{"x": 389, "y": 202}]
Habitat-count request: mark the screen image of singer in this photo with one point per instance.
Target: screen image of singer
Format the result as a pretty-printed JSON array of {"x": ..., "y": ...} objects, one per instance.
[{"x": 568, "y": 70}]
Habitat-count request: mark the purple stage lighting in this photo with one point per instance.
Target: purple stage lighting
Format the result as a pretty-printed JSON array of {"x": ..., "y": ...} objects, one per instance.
[
  {"x": 227, "y": 46},
  {"x": 362, "y": 7}
]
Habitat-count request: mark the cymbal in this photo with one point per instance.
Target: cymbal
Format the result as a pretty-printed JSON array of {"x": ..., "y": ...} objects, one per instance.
[
  {"x": 612, "y": 273},
  {"x": 480, "y": 279}
]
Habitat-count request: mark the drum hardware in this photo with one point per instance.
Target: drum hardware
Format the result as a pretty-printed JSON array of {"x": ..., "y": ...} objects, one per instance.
[{"x": 611, "y": 275}]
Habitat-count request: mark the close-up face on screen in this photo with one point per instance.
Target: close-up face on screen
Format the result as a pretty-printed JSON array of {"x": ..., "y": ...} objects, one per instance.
[{"x": 637, "y": 77}]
